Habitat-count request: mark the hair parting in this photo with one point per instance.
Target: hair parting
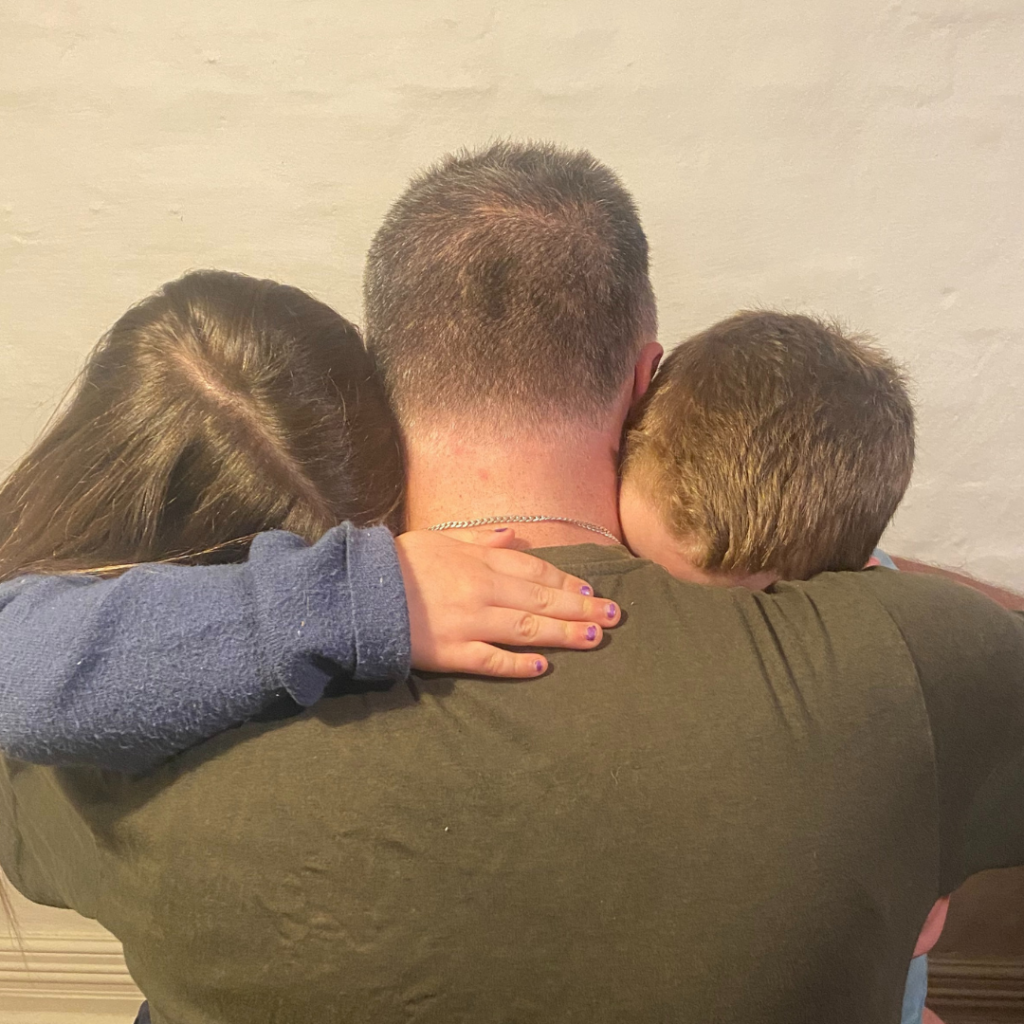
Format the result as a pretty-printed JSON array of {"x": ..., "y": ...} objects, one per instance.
[{"x": 219, "y": 407}]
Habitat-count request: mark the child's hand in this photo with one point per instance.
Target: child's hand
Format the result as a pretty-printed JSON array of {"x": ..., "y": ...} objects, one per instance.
[{"x": 466, "y": 594}]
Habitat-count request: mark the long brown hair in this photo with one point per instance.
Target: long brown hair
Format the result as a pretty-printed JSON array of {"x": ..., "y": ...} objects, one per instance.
[{"x": 218, "y": 407}]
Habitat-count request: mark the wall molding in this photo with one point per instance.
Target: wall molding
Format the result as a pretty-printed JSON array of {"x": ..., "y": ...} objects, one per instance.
[
  {"x": 60, "y": 974},
  {"x": 53, "y": 976},
  {"x": 976, "y": 990}
]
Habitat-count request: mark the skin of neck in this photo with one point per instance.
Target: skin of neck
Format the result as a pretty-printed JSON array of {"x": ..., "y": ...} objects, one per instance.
[
  {"x": 463, "y": 469},
  {"x": 458, "y": 476}
]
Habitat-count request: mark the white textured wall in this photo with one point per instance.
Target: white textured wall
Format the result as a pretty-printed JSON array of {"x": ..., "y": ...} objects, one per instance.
[{"x": 862, "y": 157}]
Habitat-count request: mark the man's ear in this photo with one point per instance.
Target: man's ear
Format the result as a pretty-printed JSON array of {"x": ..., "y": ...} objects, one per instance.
[{"x": 643, "y": 371}]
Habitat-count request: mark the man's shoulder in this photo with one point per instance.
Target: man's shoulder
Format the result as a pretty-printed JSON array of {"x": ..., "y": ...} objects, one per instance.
[
  {"x": 871, "y": 607},
  {"x": 906, "y": 596},
  {"x": 612, "y": 559},
  {"x": 893, "y": 590},
  {"x": 607, "y": 563}
]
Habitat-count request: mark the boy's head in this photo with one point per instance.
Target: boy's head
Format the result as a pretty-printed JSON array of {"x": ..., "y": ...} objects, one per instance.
[{"x": 770, "y": 446}]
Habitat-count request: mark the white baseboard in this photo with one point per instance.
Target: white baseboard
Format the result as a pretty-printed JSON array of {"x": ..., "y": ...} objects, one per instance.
[{"x": 65, "y": 979}]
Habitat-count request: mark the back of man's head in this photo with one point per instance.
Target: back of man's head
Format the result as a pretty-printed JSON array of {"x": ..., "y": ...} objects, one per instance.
[{"x": 509, "y": 287}]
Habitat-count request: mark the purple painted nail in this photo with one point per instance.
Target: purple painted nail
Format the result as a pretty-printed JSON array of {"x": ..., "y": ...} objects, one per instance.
[
  {"x": 586, "y": 591},
  {"x": 591, "y": 632},
  {"x": 501, "y": 529},
  {"x": 538, "y": 666},
  {"x": 611, "y": 611}
]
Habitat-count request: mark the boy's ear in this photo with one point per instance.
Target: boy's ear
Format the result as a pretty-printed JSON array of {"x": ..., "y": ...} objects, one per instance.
[{"x": 646, "y": 365}]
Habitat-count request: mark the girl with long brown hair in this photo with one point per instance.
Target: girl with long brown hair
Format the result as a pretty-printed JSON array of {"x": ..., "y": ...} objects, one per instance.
[{"x": 191, "y": 488}]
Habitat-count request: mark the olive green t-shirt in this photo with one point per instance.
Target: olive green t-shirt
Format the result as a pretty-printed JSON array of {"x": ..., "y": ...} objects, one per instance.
[{"x": 740, "y": 809}]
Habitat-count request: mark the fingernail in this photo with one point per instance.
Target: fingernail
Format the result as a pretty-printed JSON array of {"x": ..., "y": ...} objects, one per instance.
[
  {"x": 501, "y": 529},
  {"x": 538, "y": 667},
  {"x": 591, "y": 632},
  {"x": 611, "y": 611},
  {"x": 586, "y": 591}
]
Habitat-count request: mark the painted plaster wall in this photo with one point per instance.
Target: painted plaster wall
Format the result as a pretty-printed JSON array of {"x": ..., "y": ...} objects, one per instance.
[{"x": 858, "y": 157}]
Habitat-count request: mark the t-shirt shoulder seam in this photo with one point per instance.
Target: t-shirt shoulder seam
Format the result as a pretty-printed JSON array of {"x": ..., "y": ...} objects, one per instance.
[
  {"x": 931, "y": 729},
  {"x": 607, "y": 567}
]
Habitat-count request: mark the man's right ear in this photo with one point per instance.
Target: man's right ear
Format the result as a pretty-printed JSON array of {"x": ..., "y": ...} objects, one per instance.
[{"x": 644, "y": 370}]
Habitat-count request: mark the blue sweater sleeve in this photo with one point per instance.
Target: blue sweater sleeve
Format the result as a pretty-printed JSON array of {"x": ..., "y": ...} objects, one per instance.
[{"x": 122, "y": 673}]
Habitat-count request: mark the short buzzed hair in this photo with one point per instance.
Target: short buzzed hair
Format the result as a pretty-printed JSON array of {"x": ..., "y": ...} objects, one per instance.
[
  {"x": 775, "y": 443},
  {"x": 510, "y": 283}
]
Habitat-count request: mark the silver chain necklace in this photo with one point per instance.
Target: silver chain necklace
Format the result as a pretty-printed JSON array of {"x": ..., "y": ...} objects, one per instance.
[{"x": 465, "y": 524}]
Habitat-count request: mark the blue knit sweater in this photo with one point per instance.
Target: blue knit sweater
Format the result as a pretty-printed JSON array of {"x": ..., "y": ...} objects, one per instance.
[{"x": 122, "y": 673}]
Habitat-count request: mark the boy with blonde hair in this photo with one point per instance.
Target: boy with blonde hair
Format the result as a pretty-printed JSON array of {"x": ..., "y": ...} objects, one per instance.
[{"x": 772, "y": 447}]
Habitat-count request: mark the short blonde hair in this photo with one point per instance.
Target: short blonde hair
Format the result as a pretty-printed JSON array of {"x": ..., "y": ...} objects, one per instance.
[{"x": 774, "y": 442}]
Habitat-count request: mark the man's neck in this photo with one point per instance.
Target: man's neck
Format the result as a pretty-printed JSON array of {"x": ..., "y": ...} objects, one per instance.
[{"x": 453, "y": 475}]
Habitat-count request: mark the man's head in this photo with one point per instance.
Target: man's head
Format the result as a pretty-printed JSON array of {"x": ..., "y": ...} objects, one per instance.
[
  {"x": 769, "y": 446},
  {"x": 508, "y": 288}
]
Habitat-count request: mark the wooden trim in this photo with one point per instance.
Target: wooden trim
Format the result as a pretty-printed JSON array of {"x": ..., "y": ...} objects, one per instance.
[
  {"x": 77, "y": 974},
  {"x": 976, "y": 990},
  {"x": 65, "y": 974}
]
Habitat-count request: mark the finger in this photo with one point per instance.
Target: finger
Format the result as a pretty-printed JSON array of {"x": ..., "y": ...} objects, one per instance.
[
  {"x": 482, "y": 659},
  {"x": 518, "y": 595},
  {"x": 520, "y": 629},
  {"x": 487, "y": 537},
  {"x": 529, "y": 567}
]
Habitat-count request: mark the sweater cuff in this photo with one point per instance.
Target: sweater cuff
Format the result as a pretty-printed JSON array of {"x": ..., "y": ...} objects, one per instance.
[
  {"x": 336, "y": 607},
  {"x": 380, "y": 615}
]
